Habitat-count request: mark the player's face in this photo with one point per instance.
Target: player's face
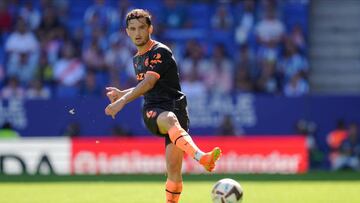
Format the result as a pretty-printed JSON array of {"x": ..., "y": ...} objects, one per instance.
[{"x": 139, "y": 31}]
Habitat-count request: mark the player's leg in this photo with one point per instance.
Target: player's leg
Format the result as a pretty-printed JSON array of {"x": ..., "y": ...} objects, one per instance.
[
  {"x": 168, "y": 124},
  {"x": 174, "y": 157}
]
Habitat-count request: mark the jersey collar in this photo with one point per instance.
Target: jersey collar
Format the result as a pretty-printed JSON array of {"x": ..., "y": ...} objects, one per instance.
[{"x": 148, "y": 46}]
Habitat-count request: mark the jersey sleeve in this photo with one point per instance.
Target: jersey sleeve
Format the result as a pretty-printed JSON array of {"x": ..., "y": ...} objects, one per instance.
[{"x": 158, "y": 62}]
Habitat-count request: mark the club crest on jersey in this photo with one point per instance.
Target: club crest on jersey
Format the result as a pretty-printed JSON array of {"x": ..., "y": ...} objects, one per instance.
[{"x": 150, "y": 114}]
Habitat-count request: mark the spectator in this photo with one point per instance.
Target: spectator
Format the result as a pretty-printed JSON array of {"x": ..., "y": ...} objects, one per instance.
[
  {"x": 349, "y": 151},
  {"x": 68, "y": 72},
  {"x": 293, "y": 63},
  {"x": 245, "y": 58},
  {"x": 267, "y": 82},
  {"x": 266, "y": 5},
  {"x": 246, "y": 22},
  {"x": 7, "y": 131},
  {"x": 37, "y": 90},
  {"x": 31, "y": 15},
  {"x": 97, "y": 36},
  {"x": 270, "y": 30},
  {"x": 222, "y": 20},
  {"x": 335, "y": 138},
  {"x": 52, "y": 42},
  {"x": 93, "y": 57},
  {"x": 93, "y": 24},
  {"x": 267, "y": 53},
  {"x": 242, "y": 80},
  {"x": 297, "y": 36},
  {"x": 45, "y": 72},
  {"x": 194, "y": 61},
  {"x": 219, "y": 72},
  {"x": 49, "y": 23},
  {"x": 12, "y": 89},
  {"x": 118, "y": 59},
  {"x": 23, "y": 66},
  {"x": 21, "y": 40},
  {"x": 297, "y": 86}
]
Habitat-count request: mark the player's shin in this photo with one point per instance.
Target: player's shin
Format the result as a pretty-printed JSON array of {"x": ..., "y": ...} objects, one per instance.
[
  {"x": 173, "y": 191},
  {"x": 180, "y": 138}
]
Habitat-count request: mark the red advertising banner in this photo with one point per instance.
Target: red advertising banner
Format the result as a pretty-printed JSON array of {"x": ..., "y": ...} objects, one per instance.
[{"x": 260, "y": 154}]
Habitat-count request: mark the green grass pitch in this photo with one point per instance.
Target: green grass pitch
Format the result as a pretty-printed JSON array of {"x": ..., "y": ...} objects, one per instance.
[{"x": 127, "y": 189}]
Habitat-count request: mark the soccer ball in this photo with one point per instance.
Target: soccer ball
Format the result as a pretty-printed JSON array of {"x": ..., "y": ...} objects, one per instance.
[{"x": 227, "y": 191}]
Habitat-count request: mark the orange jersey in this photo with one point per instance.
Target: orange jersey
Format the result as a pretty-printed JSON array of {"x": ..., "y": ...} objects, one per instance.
[{"x": 336, "y": 138}]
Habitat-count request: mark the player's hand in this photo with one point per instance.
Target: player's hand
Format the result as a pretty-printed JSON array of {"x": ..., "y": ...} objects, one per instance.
[
  {"x": 113, "y": 93},
  {"x": 113, "y": 108}
]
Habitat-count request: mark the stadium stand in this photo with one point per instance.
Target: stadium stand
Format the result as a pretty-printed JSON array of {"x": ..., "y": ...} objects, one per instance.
[{"x": 89, "y": 26}]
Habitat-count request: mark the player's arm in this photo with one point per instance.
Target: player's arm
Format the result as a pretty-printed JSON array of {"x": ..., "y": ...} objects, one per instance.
[
  {"x": 114, "y": 93},
  {"x": 147, "y": 84},
  {"x": 144, "y": 86},
  {"x": 123, "y": 92}
]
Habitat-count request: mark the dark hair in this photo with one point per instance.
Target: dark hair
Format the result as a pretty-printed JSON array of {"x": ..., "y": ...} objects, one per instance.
[{"x": 138, "y": 13}]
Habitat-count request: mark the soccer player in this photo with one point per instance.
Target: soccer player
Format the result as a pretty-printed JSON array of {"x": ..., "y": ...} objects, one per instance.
[{"x": 165, "y": 108}]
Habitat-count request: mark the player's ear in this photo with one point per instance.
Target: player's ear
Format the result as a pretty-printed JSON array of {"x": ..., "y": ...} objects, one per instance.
[
  {"x": 151, "y": 29},
  {"x": 127, "y": 32}
]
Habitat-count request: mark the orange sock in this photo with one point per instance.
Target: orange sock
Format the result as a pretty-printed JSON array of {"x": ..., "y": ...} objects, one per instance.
[
  {"x": 173, "y": 191},
  {"x": 180, "y": 138}
]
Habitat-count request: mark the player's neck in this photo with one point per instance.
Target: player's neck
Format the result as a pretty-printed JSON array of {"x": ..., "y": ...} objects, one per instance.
[{"x": 146, "y": 47}]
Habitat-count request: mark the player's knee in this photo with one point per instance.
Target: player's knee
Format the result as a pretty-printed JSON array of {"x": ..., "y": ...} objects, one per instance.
[{"x": 167, "y": 119}]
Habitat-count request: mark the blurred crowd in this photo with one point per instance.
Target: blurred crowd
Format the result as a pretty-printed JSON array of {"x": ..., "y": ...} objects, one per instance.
[{"x": 63, "y": 48}]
